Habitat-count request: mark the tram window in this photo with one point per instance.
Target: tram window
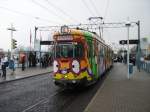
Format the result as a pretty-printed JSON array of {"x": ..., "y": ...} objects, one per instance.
[
  {"x": 90, "y": 50},
  {"x": 78, "y": 50},
  {"x": 102, "y": 52},
  {"x": 69, "y": 50}
]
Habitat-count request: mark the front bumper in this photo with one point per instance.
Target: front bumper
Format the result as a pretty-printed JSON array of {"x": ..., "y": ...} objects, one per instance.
[{"x": 73, "y": 82}]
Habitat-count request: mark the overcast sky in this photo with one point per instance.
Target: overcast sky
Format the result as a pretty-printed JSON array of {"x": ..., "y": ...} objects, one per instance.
[{"x": 25, "y": 14}]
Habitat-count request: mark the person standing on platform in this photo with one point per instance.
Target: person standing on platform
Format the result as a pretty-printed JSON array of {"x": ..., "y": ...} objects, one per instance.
[
  {"x": 23, "y": 62},
  {"x": 12, "y": 65},
  {"x": 30, "y": 59},
  {"x": 3, "y": 65}
]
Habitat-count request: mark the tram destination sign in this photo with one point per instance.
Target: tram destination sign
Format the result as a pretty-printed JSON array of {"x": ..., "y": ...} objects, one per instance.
[
  {"x": 46, "y": 42},
  {"x": 133, "y": 41},
  {"x": 64, "y": 37}
]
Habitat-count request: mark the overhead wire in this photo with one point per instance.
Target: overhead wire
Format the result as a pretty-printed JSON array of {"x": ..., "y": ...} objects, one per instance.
[
  {"x": 46, "y": 9},
  {"x": 106, "y": 9},
  {"x": 105, "y": 14},
  {"x": 95, "y": 8},
  {"x": 89, "y": 9},
  {"x": 27, "y": 15},
  {"x": 61, "y": 10}
]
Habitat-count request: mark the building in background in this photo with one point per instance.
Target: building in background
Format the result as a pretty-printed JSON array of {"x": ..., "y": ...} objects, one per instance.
[
  {"x": 1, "y": 52},
  {"x": 145, "y": 46}
]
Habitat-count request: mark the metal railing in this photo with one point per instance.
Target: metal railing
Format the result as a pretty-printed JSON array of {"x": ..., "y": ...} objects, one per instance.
[{"x": 145, "y": 65}]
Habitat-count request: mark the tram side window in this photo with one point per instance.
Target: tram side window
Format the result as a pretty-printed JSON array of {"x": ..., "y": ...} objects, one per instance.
[
  {"x": 102, "y": 51},
  {"x": 105, "y": 52},
  {"x": 90, "y": 53},
  {"x": 96, "y": 49},
  {"x": 99, "y": 50}
]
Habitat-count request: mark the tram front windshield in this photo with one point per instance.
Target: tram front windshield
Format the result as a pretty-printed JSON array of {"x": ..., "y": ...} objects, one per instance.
[{"x": 69, "y": 50}]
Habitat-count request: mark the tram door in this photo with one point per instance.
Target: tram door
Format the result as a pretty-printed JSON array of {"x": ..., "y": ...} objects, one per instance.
[
  {"x": 90, "y": 54},
  {"x": 92, "y": 57}
]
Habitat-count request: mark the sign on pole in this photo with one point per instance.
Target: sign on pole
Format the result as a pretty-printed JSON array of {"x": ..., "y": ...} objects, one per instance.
[{"x": 133, "y": 41}]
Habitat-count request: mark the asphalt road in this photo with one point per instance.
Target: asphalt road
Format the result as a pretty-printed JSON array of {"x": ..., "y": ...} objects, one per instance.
[{"x": 39, "y": 94}]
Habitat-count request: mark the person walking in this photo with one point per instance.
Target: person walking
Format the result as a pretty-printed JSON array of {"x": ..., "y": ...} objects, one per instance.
[
  {"x": 12, "y": 65},
  {"x": 30, "y": 59},
  {"x": 3, "y": 65},
  {"x": 23, "y": 62},
  {"x": 0, "y": 65}
]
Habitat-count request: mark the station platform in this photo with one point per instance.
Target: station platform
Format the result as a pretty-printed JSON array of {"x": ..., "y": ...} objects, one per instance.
[
  {"x": 28, "y": 72},
  {"x": 120, "y": 94}
]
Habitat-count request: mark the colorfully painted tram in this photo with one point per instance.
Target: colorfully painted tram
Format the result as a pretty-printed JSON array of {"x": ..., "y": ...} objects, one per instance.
[{"x": 80, "y": 57}]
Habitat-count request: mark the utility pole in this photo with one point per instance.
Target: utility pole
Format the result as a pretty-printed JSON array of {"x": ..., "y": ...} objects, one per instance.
[
  {"x": 139, "y": 46},
  {"x": 12, "y": 29},
  {"x": 123, "y": 53},
  {"x": 128, "y": 24},
  {"x": 36, "y": 28}
]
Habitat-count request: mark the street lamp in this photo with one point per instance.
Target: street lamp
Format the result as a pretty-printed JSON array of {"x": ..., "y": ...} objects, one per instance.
[
  {"x": 12, "y": 29},
  {"x": 139, "y": 47},
  {"x": 128, "y": 24},
  {"x": 36, "y": 28}
]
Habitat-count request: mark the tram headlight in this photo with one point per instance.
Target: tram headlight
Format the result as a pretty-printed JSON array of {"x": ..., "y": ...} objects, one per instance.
[
  {"x": 75, "y": 66},
  {"x": 55, "y": 66}
]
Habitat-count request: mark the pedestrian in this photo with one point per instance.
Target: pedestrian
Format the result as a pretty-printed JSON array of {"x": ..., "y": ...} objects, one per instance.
[
  {"x": 34, "y": 60},
  {"x": 0, "y": 65},
  {"x": 4, "y": 65},
  {"x": 30, "y": 59},
  {"x": 45, "y": 61},
  {"x": 12, "y": 65},
  {"x": 142, "y": 62},
  {"x": 50, "y": 60},
  {"x": 23, "y": 62}
]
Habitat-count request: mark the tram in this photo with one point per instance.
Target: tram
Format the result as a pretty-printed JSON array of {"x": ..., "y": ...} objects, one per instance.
[{"x": 80, "y": 57}]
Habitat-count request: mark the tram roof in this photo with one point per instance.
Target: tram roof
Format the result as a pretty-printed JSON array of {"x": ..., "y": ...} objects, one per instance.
[
  {"x": 81, "y": 32},
  {"x": 65, "y": 30}
]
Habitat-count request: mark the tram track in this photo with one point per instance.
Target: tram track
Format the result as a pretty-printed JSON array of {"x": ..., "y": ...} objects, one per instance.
[
  {"x": 42, "y": 101},
  {"x": 39, "y": 94},
  {"x": 67, "y": 97}
]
